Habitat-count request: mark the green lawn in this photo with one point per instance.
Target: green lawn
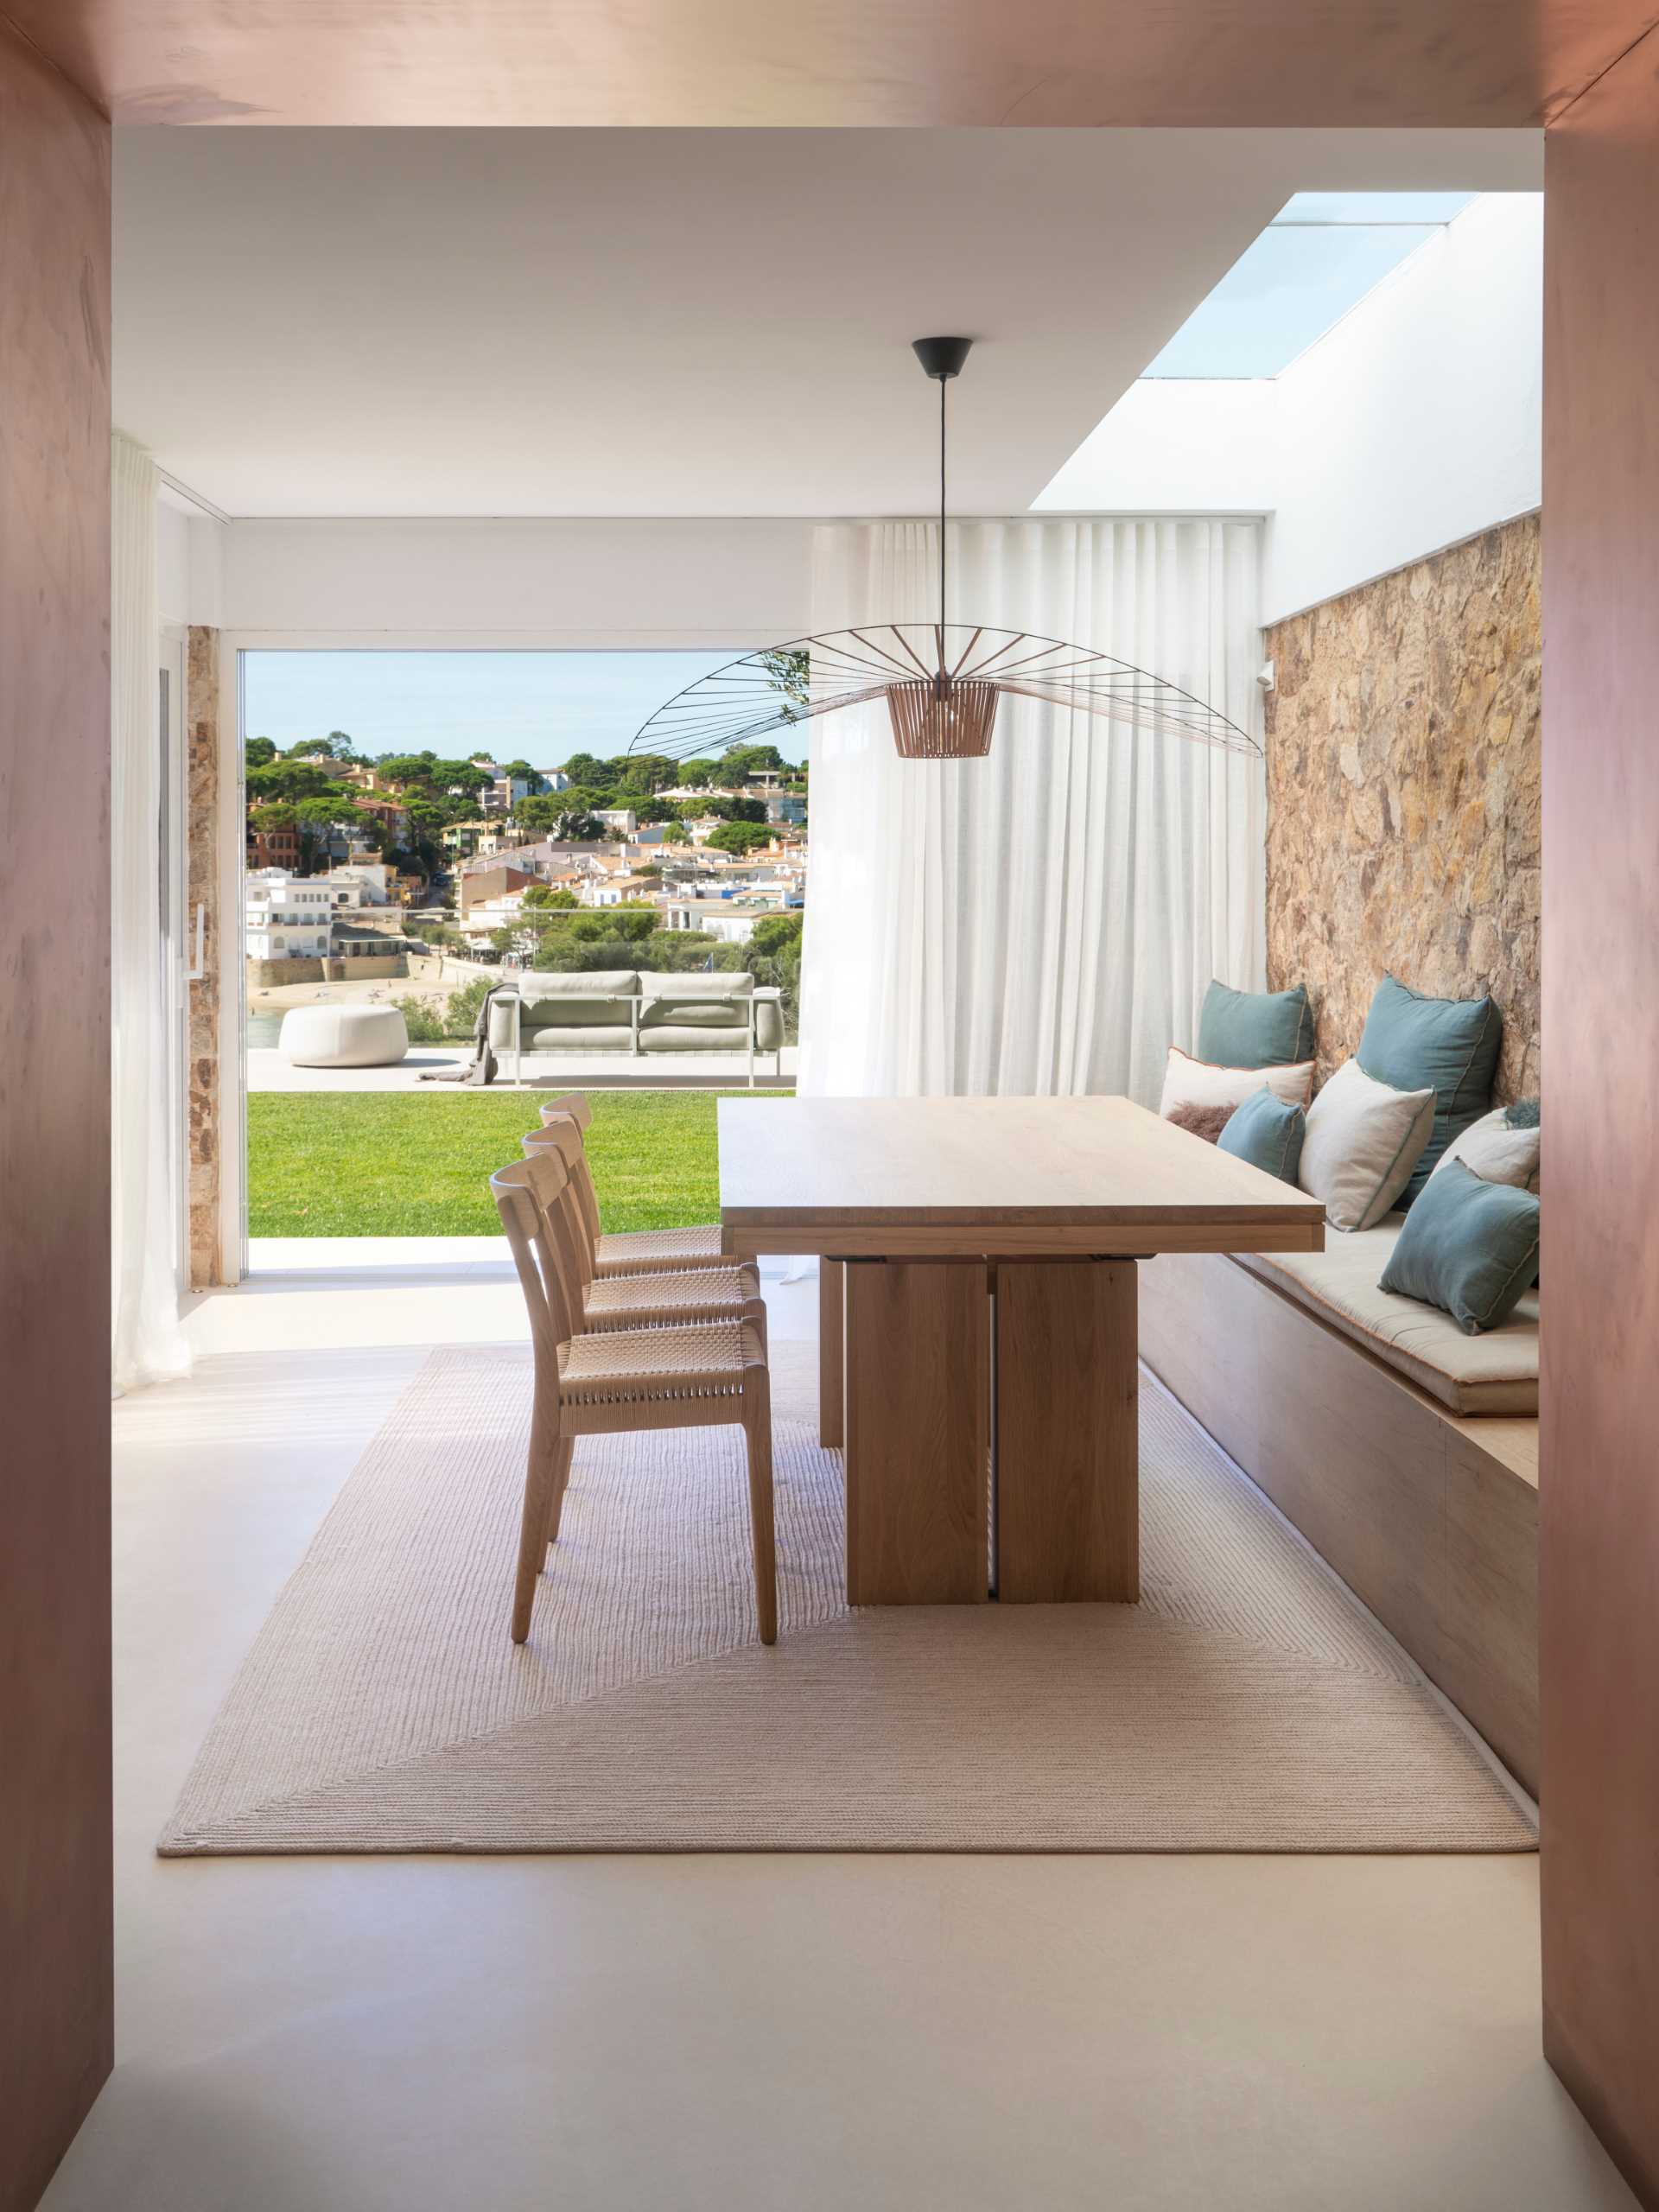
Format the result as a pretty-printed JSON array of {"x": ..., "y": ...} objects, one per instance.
[{"x": 364, "y": 1164}]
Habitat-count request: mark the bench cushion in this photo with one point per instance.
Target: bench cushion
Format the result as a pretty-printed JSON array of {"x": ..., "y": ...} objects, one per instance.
[{"x": 1494, "y": 1373}]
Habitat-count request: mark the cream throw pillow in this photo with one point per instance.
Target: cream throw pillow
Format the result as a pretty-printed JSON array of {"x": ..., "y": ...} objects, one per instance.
[
  {"x": 1498, "y": 1154},
  {"x": 1363, "y": 1139},
  {"x": 1194, "y": 1083}
]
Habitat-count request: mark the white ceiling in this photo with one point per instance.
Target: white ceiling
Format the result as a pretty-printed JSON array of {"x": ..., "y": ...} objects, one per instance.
[{"x": 665, "y": 322}]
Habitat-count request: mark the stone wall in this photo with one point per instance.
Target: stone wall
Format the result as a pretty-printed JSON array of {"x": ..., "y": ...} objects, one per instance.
[
  {"x": 1403, "y": 753},
  {"x": 364, "y": 967},
  {"x": 267, "y": 975},
  {"x": 202, "y": 888}
]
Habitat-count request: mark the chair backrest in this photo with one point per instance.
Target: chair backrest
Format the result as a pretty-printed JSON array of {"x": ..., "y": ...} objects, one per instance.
[
  {"x": 526, "y": 1194},
  {"x": 573, "y": 1108},
  {"x": 562, "y": 1139},
  {"x": 573, "y": 1102}
]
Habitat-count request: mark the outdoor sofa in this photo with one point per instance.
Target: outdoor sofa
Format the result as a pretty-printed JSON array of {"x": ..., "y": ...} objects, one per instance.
[{"x": 640, "y": 1013}]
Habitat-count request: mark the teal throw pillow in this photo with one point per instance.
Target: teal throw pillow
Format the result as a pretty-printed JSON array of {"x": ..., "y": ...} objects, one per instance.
[
  {"x": 1254, "y": 1029},
  {"x": 1468, "y": 1247},
  {"x": 1446, "y": 1046},
  {"x": 1267, "y": 1132}
]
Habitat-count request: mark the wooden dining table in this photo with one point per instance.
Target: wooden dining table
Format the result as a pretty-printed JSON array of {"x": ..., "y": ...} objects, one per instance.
[{"x": 978, "y": 1318}]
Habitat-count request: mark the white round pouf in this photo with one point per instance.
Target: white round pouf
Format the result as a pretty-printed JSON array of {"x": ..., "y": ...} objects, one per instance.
[{"x": 343, "y": 1037}]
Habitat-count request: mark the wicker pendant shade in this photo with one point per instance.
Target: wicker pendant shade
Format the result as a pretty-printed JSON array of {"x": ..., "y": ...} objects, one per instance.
[
  {"x": 941, "y": 680},
  {"x": 942, "y": 721}
]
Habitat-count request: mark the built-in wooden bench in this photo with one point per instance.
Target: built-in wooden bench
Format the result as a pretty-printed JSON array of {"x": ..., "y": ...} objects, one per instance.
[{"x": 1431, "y": 1517}]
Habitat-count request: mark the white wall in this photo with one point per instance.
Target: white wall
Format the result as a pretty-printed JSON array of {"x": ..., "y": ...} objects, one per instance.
[
  {"x": 189, "y": 562},
  {"x": 494, "y": 581},
  {"x": 1416, "y": 421},
  {"x": 1171, "y": 446}
]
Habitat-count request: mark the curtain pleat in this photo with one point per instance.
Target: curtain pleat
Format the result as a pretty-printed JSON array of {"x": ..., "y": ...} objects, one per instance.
[
  {"x": 1045, "y": 920},
  {"x": 149, "y": 1345}
]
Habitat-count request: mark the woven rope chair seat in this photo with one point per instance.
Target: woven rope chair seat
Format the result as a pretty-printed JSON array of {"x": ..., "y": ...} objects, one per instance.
[
  {"x": 701, "y": 1362},
  {"x": 635, "y": 1251},
  {"x": 616, "y": 1300}
]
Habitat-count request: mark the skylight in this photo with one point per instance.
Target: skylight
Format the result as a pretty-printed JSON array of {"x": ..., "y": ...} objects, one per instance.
[{"x": 1319, "y": 255}]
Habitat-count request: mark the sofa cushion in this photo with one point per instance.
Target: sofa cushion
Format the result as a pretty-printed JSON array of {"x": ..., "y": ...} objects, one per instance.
[
  {"x": 583, "y": 983},
  {"x": 1468, "y": 1247},
  {"x": 590, "y": 1037},
  {"x": 577, "y": 1010},
  {"x": 1448, "y": 1045},
  {"x": 586, "y": 998},
  {"x": 693, "y": 1014},
  {"x": 700, "y": 983},
  {"x": 1189, "y": 1083},
  {"x": 1254, "y": 1029},
  {"x": 718, "y": 1001},
  {"x": 1496, "y": 1150},
  {"x": 703, "y": 1037},
  {"x": 1268, "y": 1132},
  {"x": 1363, "y": 1140},
  {"x": 1497, "y": 1373}
]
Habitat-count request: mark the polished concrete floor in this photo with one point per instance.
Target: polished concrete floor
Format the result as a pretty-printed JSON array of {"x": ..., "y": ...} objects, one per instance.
[{"x": 599, "y": 2034}]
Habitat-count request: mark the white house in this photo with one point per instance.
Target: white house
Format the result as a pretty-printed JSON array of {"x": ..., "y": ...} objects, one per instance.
[
  {"x": 491, "y": 914},
  {"x": 616, "y": 891},
  {"x": 363, "y": 883},
  {"x": 718, "y": 917},
  {"x": 289, "y": 917},
  {"x": 468, "y": 838}
]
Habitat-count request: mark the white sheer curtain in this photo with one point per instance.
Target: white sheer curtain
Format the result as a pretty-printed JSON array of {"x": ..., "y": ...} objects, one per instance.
[
  {"x": 148, "y": 1344},
  {"x": 1045, "y": 920}
]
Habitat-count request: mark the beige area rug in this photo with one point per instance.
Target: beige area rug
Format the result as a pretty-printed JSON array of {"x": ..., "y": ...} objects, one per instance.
[{"x": 1248, "y": 1704}]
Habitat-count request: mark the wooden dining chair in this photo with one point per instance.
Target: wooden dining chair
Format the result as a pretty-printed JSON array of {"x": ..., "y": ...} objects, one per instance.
[
  {"x": 611, "y": 1381},
  {"x": 640, "y": 1301},
  {"x": 630, "y": 1251}
]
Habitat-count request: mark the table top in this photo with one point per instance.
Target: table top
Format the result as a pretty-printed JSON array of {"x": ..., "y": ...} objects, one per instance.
[{"x": 959, "y": 1176}]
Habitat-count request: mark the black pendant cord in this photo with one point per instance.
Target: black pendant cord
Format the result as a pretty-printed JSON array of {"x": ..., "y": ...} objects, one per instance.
[{"x": 943, "y": 388}]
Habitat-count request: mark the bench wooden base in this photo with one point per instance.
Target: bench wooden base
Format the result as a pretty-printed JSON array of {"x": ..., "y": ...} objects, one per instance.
[{"x": 1431, "y": 1519}]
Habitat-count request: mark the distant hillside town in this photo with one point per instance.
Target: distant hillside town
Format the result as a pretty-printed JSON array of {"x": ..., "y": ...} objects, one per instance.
[{"x": 353, "y": 864}]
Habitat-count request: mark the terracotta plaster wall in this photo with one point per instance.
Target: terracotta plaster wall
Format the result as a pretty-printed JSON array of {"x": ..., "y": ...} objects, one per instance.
[
  {"x": 1599, "y": 1487},
  {"x": 1403, "y": 794},
  {"x": 56, "y": 1932}
]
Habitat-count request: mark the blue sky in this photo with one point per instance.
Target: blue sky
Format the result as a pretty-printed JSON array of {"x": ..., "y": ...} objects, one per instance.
[
  {"x": 530, "y": 706},
  {"x": 1319, "y": 255}
]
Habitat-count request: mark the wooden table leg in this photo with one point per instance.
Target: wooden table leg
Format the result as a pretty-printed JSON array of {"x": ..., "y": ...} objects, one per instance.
[
  {"x": 831, "y": 1357},
  {"x": 1068, "y": 1476},
  {"x": 917, "y": 1433}
]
